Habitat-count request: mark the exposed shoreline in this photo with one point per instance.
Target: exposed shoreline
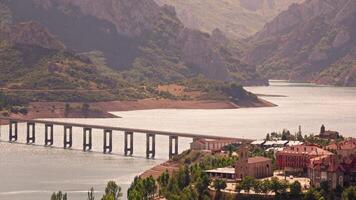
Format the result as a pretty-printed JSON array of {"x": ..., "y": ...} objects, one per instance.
[{"x": 102, "y": 109}]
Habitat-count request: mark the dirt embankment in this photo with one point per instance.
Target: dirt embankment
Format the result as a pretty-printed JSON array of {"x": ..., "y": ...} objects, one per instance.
[
  {"x": 102, "y": 109},
  {"x": 184, "y": 99}
]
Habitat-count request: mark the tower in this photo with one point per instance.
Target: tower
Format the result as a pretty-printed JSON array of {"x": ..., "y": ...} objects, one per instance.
[{"x": 241, "y": 167}]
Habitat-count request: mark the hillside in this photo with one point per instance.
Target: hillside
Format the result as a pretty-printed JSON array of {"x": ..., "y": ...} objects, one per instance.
[
  {"x": 236, "y": 18},
  {"x": 314, "y": 42},
  {"x": 145, "y": 42}
]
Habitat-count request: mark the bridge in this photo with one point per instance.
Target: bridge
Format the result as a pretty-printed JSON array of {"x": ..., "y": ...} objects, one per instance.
[{"x": 107, "y": 135}]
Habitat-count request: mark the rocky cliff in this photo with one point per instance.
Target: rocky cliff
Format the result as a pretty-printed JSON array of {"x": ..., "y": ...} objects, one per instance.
[
  {"x": 236, "y": 18},
  {"x": 143, "y": 40},
  {"x": 314, "y": 41}
]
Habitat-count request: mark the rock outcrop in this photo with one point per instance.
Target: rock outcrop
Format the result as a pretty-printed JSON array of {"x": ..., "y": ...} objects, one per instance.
[
  {"x": 236, "y": 18},
  {"x": 314, "y": 41}
]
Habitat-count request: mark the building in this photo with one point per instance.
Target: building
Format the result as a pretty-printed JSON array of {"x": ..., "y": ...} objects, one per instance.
[
  {"x": 344, "y": 148},
  {"x": 224, "y": 173},
  {"x": 333, "y": 135},
  {"x": 257, "y": 167},
  {"x": 320, "y": 165},
  {"x": 295, "y": 159},
  {"x": 325, "y": 168},
  {"x": 211, "y": 145},
  {"x": 275, "y": 143}
]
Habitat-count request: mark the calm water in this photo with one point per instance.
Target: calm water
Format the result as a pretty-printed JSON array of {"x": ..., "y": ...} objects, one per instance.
[{"x": 34, "y": 172}]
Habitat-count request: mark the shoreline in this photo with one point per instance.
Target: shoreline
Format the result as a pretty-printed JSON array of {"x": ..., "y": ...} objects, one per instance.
[{"x": 103, "y": 109}]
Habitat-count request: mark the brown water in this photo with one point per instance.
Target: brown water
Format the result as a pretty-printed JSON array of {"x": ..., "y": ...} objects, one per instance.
[{"x": 34, "y": 172}]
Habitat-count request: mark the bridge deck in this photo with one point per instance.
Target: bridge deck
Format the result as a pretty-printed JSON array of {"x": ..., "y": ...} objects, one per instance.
[{"x": 146, "y": 131}]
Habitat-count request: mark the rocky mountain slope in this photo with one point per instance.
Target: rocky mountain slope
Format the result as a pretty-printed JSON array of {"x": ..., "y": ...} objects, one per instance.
[
  {"x": 145, "y": 42},
  {"x": 236, "y": 18},
  {"x": 35, "y": 65},
  {"x": 314, "y": 41}
]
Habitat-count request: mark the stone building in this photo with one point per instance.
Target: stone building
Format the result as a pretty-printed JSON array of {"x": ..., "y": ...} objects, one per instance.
[
  {"x": 212, "y": 145},
  {"x": 327, "y": 134},
  {"x": 257, "y": 167}
]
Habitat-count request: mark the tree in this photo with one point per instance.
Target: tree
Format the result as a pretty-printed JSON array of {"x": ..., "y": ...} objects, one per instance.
[
  {"x": 202, "y": 185},
  {"x": 349, "y": 193},
  {"x": 277, "y": 186},
  {"x": 91, "y": 195},
  {"x": 265, "y": 186},
  {"x": 189, "y": 193},
  {"x": 313, "y": 194},
  {"x": 112, "y": 191},
  {"x": 238, "y": 188},
  {"x": 324, "y": 185},
  {"x": 257, "y": 187},
  {"x": 295, "y": 189},
  {"x": 163, "y": 181},
  {"x": 149, "y": 185},
  {"x": 268, "y": 137},
  {"x": 219, "y": 184},
  {"x": 59, "y": 196},
  {"x": 247, "y": 183}
]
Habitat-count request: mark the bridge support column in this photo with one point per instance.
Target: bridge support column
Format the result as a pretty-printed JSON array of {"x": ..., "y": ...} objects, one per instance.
[
  {"x": 31, "y": 133},
  {"x": 128, "y": 149},
  {"x": 87, "y": 139},
  {"x": 107, "y": 146},
  {"x": 171, "y": 153},
  {"x": 48, "y": 135},
  {"x": 13, "y": 131},
  {"x": 150, "y": 147},
  {"x": 68, "y": 137}
]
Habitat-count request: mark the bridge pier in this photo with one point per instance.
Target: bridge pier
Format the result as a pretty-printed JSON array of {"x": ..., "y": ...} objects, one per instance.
[
  {"x": 150, "y": 147},
  {"x": 171, "y": 153},
  {"x": 68, "y": 137},
  {"x": 13, "y": 131},
  {"x": 31, "y": 133},
  {"x": 107, "y": 147},
  {"x": 48, "y": 138},
  {"x": 128, "y": 149},
  {"x": 87, "y": 143}
]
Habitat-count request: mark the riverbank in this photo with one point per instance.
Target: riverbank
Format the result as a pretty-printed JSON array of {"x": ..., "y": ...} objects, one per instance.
[{"x": 102, "y": 109}]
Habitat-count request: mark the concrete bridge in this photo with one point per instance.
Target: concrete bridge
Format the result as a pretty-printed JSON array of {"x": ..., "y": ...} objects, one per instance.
[{"x": 107, "y": 135}]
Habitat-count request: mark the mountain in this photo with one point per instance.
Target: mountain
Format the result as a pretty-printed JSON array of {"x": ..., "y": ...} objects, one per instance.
[
  {"x": 35, "y": 65},
  {"x": 145, "y": 42},
  {"x": 236, "y": 18},
  {"x": 314, "y": 41}
]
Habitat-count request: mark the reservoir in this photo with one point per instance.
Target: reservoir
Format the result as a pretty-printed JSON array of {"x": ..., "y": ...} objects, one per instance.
[{"x": 34, "y": 172}]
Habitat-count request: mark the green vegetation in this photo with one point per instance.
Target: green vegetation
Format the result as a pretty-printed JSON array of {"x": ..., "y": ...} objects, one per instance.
[
  {"x": 112, "y": 191},
  {"x": 59, "y": 196}
]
